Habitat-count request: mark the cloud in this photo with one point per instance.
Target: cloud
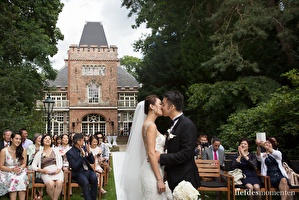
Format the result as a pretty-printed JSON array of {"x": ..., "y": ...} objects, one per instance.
[{"x": 116, "y": 24}]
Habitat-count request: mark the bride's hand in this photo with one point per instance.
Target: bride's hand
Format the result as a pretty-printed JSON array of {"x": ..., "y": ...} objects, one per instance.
[{"x": 161, "y": 186}]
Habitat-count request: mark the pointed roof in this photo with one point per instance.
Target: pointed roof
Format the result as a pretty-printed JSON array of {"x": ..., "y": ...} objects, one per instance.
[
  {"x": 125, "y": 79},
  {"x": 93, "y": 34},
  {"x": 61, "y": 79}
]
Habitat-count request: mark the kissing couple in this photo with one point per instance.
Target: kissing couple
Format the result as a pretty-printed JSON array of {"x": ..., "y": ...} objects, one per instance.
[{"x": 145, "y": 158}]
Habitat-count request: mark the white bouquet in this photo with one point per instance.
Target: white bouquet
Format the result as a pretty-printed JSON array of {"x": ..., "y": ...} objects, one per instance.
[{"x": 185, "y": 191}]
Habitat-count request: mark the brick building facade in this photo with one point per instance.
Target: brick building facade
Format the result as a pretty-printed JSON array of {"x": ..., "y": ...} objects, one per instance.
[{"x": 92, "y": 92}]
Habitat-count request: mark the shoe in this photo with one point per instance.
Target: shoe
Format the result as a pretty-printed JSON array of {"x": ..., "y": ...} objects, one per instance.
[{"x": 103, "y": 191}]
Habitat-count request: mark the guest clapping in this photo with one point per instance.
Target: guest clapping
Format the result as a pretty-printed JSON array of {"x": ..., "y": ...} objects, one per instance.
[{"x": 247, "y": 162}]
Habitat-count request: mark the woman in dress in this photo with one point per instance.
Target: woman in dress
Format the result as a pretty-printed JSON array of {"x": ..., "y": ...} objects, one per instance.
[
  {"x": 34, "y": 148},
  {"x": 63, "y": 148},
  {"x": 247, "y": 162},
  {"x": 143, "y": 177},
  {"x": 97, "y": 153},
  {"x": 14, "y": 179},
  {"x": 271, "y": 165},
  {"x": 49, "y": 163}
]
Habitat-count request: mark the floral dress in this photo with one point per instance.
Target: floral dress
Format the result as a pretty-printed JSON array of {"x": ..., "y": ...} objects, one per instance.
[{"x": 9, "y": 181}]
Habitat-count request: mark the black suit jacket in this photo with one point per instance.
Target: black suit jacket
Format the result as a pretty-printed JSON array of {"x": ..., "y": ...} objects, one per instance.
[
  {"x": 2, "y": 144},
  {"x": 179, "y": 160},
  {"x": 76, "y": 161}
]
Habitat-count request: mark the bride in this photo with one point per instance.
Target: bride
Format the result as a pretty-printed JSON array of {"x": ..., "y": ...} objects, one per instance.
[{"x": 142, "y": 176}]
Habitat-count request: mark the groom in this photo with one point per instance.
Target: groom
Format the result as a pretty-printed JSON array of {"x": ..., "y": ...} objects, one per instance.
[{"x": 180, "y": 144}]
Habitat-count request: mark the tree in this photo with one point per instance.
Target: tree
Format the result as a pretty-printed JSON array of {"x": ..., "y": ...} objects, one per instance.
[
  {"x": 28, "y": 36},
  {"x": 131, "y": 64},
  {"x": 214, "y": 103},
  {"x": 227, "y": 57},
  {"x": 277, "y": 116}
]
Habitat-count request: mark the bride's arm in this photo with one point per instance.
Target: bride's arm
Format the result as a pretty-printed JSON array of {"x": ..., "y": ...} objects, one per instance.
[{"x": 150, "y": 140}]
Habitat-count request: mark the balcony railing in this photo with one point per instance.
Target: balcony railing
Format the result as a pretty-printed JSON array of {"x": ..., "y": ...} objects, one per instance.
[
  {"x": 58, "y": 103},
  {"x": 127, "y": 104}
]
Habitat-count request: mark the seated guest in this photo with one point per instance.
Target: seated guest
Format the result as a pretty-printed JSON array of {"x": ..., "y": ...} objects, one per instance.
[
  {"x": 6, "y": 139},
  {"x": 34, "y": 148},
  {"x": 57, "y": 141},
  {"x": 213, "y": 152},
  {"x": 25, "y": 141},
  {"x": 271, "y": 165},
  {"x": 63, "y": 148},
  {"x": 80, "y": 158},
  {"x": 202, "y": 144},
  {"x": 48, "y": 162},
  {"x": 13, "y": 169},
  {"x": 247, "y": 162},
  {"x": 104, "y": 147},
  {"x": 220, "y": 147},
  {"x": 97, "y": 153}
]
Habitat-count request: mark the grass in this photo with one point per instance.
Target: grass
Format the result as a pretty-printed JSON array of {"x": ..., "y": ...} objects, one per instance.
[
  {"x": 110, "y": 188},
  {"x": 111, "y": 191}
]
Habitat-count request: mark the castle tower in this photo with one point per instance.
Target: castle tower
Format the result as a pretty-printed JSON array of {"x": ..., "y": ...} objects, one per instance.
[{"x": 92, "y": 83}]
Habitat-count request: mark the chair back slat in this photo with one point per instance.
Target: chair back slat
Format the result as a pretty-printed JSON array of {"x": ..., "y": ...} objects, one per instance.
[{"x": 208, "y": 168}]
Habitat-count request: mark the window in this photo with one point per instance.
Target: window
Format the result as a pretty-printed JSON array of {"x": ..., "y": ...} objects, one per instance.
[
  {"x": 93, "y": 123},
  {"x": 93, "y": 93},
  {"x": 127, "y": 100},
  {"x": 59, "y": 122},
  {"x": 93, "y": 70}
]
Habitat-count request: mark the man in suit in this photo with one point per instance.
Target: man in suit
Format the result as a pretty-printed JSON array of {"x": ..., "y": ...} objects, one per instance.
[
  {"x": 80, "y": 158},
  {"x": 214, "y": 152},
  {"x": 6, "y": 139},
  {"x": 180, "y": 144}
]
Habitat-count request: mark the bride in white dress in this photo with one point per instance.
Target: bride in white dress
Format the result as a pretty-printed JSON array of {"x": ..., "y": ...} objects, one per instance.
[{"x": 142, "y": 176}]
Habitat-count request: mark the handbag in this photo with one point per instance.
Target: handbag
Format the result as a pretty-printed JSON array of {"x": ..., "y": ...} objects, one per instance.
[
  {"x": 238, "y": 176},
  {"x": 292, "y": 176}
]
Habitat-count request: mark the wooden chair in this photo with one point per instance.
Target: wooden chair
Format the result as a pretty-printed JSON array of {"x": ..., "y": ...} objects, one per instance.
[
  {"x": 74, "y": 184},
  {"x": 242, "y": 188},
  {"x": 211, "y": 178},
  {"x": 38, "y": 183},
  {"x": 294, "y": 189}
]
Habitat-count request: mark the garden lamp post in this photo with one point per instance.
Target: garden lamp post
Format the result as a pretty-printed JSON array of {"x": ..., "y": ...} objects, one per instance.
[{"x": 48, "y": 106}]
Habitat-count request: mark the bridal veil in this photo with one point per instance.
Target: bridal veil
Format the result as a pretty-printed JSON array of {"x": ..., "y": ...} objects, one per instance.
[{"x": 134, "y": 157}]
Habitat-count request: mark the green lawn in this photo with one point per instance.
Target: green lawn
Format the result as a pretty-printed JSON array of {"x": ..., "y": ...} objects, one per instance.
[{"x": 110, "y": 187}]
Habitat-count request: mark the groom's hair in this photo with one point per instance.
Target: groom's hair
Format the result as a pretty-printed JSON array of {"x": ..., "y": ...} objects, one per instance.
[{"x": 175, "y": 98}]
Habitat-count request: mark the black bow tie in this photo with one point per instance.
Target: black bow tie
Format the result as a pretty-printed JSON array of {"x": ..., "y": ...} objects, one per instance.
[{"x": 175, "y": 119}]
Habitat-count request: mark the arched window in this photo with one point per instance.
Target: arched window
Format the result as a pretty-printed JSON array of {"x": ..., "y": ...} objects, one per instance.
[{"x": 93, "y": 123}]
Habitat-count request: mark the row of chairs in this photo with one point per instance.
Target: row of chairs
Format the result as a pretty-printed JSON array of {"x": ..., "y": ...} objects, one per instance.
[
  {"x": 68, "y": 184},
  {"x": 213, "y": 180}
]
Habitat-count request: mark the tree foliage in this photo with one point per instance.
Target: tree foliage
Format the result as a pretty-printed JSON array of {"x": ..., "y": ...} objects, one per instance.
[
  {"x": 278, "y": 117},
  {"x": 227, "y": 57},
  {"x": 214, "y": 103},
  {"x": 28, "y": 37},
  {"x": 131, "y": 64}
]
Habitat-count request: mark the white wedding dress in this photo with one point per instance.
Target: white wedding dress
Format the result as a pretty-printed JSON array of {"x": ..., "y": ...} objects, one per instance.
[
  {"x": 148, "y": 180},
  {"x": 137, "y": 181}
]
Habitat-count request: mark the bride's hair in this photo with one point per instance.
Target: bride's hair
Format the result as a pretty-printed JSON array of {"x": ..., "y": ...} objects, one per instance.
[{"x": 150, "y": 99}]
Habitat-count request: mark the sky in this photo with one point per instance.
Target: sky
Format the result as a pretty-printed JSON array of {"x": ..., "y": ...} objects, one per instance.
[{"x": 117, "y": 26}]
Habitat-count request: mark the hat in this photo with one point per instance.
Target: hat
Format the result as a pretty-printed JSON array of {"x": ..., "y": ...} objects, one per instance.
[{"x": 77, "y": 137}]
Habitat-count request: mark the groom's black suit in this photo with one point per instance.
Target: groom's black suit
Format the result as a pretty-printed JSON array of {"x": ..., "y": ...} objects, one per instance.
[{"x": 179, "y": 160}]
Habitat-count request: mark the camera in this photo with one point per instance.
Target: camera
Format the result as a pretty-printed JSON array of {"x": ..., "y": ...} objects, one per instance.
[{"x": 204, "y": 144}]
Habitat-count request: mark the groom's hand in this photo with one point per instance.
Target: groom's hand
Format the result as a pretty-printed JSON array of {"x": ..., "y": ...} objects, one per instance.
[{"x": 158, "y": 155}]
